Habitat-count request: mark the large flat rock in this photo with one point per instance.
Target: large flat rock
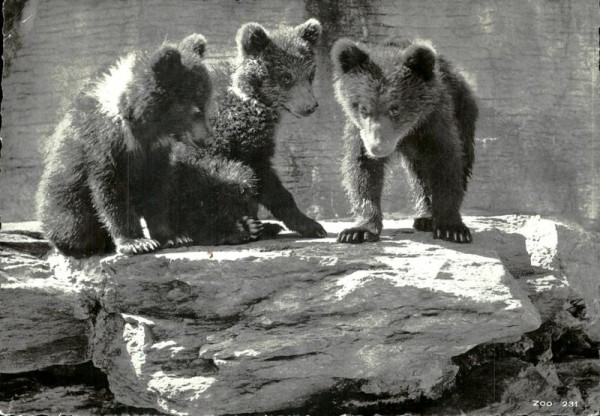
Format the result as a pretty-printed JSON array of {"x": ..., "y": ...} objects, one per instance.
[
  {"x": 285, "y": 323},
  {"x": 274, "y": 324}
]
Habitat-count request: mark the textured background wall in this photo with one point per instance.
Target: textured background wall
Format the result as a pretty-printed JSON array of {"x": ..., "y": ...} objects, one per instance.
[{"x": 534, "y": 64}]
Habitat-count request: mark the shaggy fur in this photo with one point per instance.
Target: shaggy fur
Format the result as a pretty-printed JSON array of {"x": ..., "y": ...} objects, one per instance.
[
  {"x": 212, "y": 196},
  {"x": 109, "y": 159},
  {"x": 212, "y": 204},
  {"x": 402, "y": 97},
  {"x": 273, "y": 73}
]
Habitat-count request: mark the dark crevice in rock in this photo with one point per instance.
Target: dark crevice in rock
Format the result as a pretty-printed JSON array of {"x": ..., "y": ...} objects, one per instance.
[
  {"x": 42, "y": 390},
  {"x": 28, "y": 242},
  {"x": 54, "y": 376},
  {"x": 290, "y": 357},
  {"x": 191, "y": 367},
  {"x": 94, "y": 310},
  {"x": 574, "y": 344},
  {"x": 577, "y": 309},
  {"x": 38, "y": 235}
]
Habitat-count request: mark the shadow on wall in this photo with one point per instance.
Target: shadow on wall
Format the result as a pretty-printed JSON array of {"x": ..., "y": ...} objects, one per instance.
[{"x": 533, "y": 64}]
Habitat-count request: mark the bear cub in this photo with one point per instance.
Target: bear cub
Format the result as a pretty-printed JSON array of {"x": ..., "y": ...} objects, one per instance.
[
  {"x": 402, "y": 97},
  {"x": 272, "y": 74},
  {"x": 109, "y": 164}
]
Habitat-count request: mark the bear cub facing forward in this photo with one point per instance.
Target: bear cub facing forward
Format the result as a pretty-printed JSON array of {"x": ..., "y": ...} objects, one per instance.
[
  {"x": 402, "y": 97},
  {"x": 108, "y": 163}
]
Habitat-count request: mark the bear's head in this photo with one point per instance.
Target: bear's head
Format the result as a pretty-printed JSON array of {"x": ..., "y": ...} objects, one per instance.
[
  {"x": 169, "y": 92},
  {"x": 278, "y": 68},
  {"x": 386, "y": 91}
]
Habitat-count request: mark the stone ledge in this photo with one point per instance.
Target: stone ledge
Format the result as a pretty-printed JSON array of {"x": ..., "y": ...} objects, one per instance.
[{"x": 271, "y": 325}]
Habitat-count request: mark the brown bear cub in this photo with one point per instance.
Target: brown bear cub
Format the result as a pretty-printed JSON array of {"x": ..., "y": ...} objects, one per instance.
[
  {"x": 109, "y": 159},
  {"x": 402, "y": 97},
  {"x": 273, "y": 74}
]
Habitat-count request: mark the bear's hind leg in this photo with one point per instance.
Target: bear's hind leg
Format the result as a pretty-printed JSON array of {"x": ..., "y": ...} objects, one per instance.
[
  {"x": 76, "y": 234},
  {"x": 118, "y": 216}
]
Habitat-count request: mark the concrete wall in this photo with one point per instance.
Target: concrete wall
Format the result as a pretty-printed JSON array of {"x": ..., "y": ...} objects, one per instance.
[{"x": 534, "y": 64}]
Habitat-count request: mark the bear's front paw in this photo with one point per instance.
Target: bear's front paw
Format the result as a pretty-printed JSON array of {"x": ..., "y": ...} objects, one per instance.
[
  {"x": 250, "y": 227},
  {"x": 357, "y": 235},
  {"x": 270, "y": 230},
  {"x": 423, "y": 224},
  {"x": 457, "y": 233},
  {"x": 137, "y": 245},
  {"x": 310, "y": 228},
  {"x": 246, "y": 230},
  {"x": 178, "y": 241}
]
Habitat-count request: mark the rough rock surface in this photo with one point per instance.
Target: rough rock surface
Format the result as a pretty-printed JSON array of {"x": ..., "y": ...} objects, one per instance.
[
  {"x": 80, "y": 390},
  {"x": 46, "y": 307},
  {"x": 284, "y": 323}
]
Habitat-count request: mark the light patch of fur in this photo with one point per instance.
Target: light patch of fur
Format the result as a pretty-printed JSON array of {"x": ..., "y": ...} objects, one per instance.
[
  {"x": 164, "y": 141},
  {"x": 235, "y": 88},
  {"x": 425, "y": 42},
  {"x": 469, "y": 77},
  {"x": 131, "y": 143},
  {"x": 111, "y": 88},
  {"x": 242, "y": 68},
  {"x": 50, "y": 147}
]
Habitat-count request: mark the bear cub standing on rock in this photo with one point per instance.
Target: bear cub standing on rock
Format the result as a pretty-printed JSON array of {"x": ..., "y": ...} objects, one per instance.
[
  {"x": 109, "y": 159},
  {"x": 401, "y": 96},
  {"x": 273, "y": 73}
]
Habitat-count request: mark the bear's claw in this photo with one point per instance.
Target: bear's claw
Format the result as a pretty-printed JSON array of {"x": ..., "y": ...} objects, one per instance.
[
  {"x": 459, "y": 233},
  {"x": 178, "y": 241},
  {"x": 251, "y": 227},
  {"x": 137, "y": 246},
  {"x": 357, "y": 235}
]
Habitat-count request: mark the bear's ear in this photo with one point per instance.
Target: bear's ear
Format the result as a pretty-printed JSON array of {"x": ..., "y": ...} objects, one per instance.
[
  {"x": 166, "y": 64},
  {"x": 310, "y": 31},
  {"x": 348, "y": 57},
  {"x": 420, "y": 59},
  {"x": 252, "y": 39},
  {"x": 194, "y": 44}
]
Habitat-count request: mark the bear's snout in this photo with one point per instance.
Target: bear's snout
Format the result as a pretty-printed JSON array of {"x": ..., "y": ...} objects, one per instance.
[
  {"x": 379, "y": 138},
  {"x": 302, "y": 101}
]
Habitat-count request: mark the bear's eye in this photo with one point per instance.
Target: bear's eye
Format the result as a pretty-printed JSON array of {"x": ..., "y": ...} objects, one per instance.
[
  {"x": 362, "y": 110},
  {"x": 286, "y": 79},
  {"x": 394, "y": 111}
]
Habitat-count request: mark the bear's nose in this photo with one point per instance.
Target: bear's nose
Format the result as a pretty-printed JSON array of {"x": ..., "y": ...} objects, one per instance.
[{"x": 310, "y": 110}]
